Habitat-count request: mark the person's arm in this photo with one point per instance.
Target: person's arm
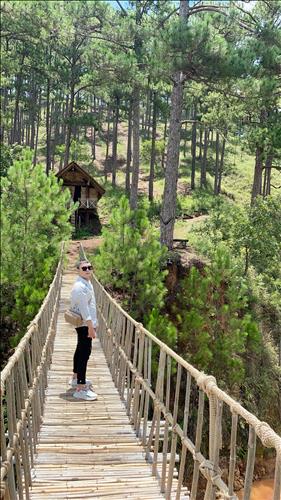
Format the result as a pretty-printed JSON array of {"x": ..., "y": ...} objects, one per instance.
[
  {"x": 91, "y": 329},
  {"x": 93, "y": 313},
  {"x": 85, "y": 312}
]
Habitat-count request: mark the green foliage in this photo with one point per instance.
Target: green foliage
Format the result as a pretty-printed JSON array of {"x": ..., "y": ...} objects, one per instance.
[
  {"x": 34, "y": 222},
  {"x": 215, "y": 326},
  {"x": 130, "y": 260},
  {"x": 252, "y": 233},
  {"x": 6, "y": 159},
  {"x": 201, "y": 202},
  {"x": 162, "y": 327},
  {"x": 262, "y": 383},
  {"x": 146, "y": 150},
  {"x": 260, "y": 236},
  {"x": 252, "y": 236},
  {"x": 82, "y": 233}
]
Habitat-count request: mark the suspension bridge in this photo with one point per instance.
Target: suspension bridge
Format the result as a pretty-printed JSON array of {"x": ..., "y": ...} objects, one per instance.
[{"x": 136, "y": 441}]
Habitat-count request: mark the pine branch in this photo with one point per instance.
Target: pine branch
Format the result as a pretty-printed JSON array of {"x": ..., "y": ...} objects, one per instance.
[
  {"x": 208, "y": 8},
  {"x": 143, "y": 8},
  {"x": 126, "y": 47},
  {"x": 162, "y": 22},
  {"x": 217, "y": 8},
  {"x": 122, "y": 8},
  {"x": 254, "y": 20}
]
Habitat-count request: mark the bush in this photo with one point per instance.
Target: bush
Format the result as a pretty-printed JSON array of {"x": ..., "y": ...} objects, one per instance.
[{"x": 146, "y": 150}]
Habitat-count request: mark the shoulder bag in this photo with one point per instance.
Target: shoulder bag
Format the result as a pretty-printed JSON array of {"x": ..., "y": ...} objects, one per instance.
[{"x": 73, "y": 318}]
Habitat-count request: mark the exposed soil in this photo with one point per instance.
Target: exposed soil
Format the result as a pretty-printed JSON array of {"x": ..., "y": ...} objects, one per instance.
[{"x": 89, "y": 244}]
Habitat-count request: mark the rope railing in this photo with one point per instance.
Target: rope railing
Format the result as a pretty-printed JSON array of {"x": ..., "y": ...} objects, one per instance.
[
  {"x": 162, "y": 413},
  {"x": 23, "y": 383}
]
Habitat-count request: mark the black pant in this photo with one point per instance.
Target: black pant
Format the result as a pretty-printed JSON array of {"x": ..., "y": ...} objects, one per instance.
[{"x": 82, "y": 354}]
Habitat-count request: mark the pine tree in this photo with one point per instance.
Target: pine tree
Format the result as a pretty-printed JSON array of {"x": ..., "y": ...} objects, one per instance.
[
  {"x": 130, "y": 260},
  {"x": 35, "y": 219},
  {"x": 215, "y": 325}
]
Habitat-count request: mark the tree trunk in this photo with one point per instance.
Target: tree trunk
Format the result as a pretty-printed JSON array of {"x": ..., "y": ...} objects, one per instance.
[
  {"x": 4, "y": 104},
  {"x": 136, "y": 148},
  {"x": 75, "y": 132},
  {"x": 65, "y": 115},
  {"x": 69, "y": 125},
  {"x": 48, "y": 131},
  {"x": 37, "y": 128},
  {"x": 257, "y": 182},
  {"x": 185, "y": 140},
  {"x": 57, "y": 114},
  {"x": 114, "y": 142},
  {"x": 148, "y": 112},
  {"x": 193, "y": 149},
  {"x": 168, "y": 210},
  {"x": 21, "y": 127},
  {"x": 18, "y": 85},
  {"x": 129, "y": 149},
  {"x": 164, "y": 139},
  {"x": 203, "y": 178},
  {"x": 27, "y": 133},
  {"x": 107, "y": 134},
  {"x": 33, "y": 117},
  {"x": 136, "y": 112},
  {"x": 217, "y": 164},
  {"x": 93, "y": 132},
  {"x": 200, "y": 143},
  {"x": 153, "y": 152},
  {"x": 267, "y": 175},
  {"x": 222, "y": 161}
]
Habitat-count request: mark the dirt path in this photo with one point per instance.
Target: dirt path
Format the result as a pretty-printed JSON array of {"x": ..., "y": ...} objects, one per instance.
[{"x": 89, "y": 245}]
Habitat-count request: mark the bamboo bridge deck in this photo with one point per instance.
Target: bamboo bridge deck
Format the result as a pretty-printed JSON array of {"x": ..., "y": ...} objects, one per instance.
[{"x": 87, "y": 449}]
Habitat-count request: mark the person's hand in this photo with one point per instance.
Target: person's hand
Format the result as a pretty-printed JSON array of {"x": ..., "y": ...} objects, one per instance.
[{"x": 91, "y": 332}]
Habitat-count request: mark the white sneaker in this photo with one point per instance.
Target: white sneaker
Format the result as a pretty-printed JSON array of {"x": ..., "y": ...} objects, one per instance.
[
  {"x": 73, "y": 382},
  {"x": 87, "y": 395}
]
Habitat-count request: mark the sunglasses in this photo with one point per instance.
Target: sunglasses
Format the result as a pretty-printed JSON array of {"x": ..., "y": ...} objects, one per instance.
[{"x": 86, "y": 268}]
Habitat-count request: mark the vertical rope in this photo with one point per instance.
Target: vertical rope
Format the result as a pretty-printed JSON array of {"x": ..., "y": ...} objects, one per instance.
[
  {"x": 166, "y": 427},
  {"x": 232, "y": 458},
  {"x": 157, "y": 411},
  {"x": 198, "y": 439}
]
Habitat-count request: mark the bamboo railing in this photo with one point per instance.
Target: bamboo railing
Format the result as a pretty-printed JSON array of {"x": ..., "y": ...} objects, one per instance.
[
  {"x": 23, "y": 383},
  {"x": 152, "y": 404}
]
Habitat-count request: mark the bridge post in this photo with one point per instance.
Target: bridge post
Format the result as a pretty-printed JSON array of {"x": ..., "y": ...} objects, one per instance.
[{"x": 174, "y": 435}]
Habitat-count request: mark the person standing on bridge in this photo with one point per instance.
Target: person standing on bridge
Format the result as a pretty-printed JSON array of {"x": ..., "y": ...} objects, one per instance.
[{"x": 84, "y": 303}]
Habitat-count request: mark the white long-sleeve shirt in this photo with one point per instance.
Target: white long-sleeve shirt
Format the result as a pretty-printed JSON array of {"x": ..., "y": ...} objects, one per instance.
[{"x": 83, "y": 301}]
